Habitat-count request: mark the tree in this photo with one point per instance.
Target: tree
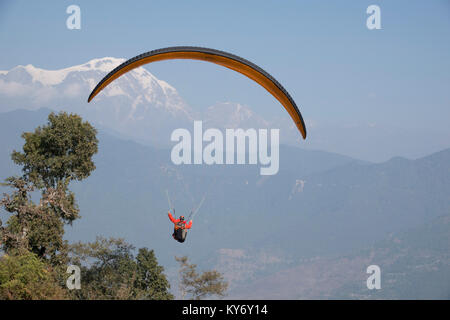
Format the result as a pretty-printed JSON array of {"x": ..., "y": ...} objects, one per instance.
[
  {"x": 61, "y": 150},
  {"x": 150, "y": 283},
  {"x": 110, "y": 271},
  {"x": 37, "y": 227},
  {"x": 199, "y": 286},
  {"x": 24, "y": 276},
  {"x": 53, "y": 155}
]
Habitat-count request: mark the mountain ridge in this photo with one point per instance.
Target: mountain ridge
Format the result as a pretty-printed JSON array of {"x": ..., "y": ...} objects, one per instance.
[{"x": 319, "y": 204}]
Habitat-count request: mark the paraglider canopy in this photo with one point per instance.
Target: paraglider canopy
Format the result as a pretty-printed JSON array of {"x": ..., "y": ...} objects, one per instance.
[{"x": 222, "y": 58}]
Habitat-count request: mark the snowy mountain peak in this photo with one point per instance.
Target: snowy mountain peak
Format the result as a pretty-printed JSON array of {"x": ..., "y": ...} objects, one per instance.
[
  {"x": 134, "y": 104},
  {"x": 105, "y": 64},
  {"x": 233, "y": 115},
  {"x": 55, "y": 77},
  {"x": 139, "y": 84}
]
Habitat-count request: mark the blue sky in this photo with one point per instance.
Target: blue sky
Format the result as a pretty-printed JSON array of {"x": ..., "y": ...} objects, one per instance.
[{"x": 336, "y": 69}]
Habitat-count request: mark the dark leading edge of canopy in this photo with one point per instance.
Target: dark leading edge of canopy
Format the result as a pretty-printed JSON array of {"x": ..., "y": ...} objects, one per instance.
[{"x": 207, "y": 51}]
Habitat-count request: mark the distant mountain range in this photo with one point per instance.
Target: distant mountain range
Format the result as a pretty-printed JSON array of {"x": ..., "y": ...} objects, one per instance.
[
  {"x": 146, "y": 109},
  {"x": 319, "y": 206},
  {"x": 413, "y": 264},
  {"x": 137, "y": 105}
]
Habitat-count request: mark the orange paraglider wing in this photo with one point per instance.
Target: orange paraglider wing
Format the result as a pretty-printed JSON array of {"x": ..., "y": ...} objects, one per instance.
[{"x": 222, "y": 58}]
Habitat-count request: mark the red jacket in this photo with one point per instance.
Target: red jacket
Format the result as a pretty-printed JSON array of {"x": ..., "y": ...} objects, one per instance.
[{"x": 178, "y": 221}]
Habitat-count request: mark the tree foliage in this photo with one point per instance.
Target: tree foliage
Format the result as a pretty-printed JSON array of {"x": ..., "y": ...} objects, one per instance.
[
  {"x": 110, "y": 271},
  {"x": 150, "y": 283},
  {"x": 61, "y": 150},
  {"x": 53, "y": 155},
  {"x": 198, "y": 286},
  {"x": 38, "y": 227},
  {"x": 23, "y": 275},
  {"x": 36, "y": 255}
]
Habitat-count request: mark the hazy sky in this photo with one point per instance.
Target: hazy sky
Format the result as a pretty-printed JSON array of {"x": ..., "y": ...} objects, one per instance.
[{"x": 337, "y": 70}]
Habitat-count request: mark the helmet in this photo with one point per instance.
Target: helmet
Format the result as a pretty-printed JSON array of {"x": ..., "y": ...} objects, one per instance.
[{"x": 182, "y": 218}]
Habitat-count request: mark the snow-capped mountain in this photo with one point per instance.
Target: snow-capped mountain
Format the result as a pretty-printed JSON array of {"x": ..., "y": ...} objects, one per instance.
[
  {"x": 232, "y": 115},
  {"x": 136, "y": 105},
  {"x": 139, "y": 85}
]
